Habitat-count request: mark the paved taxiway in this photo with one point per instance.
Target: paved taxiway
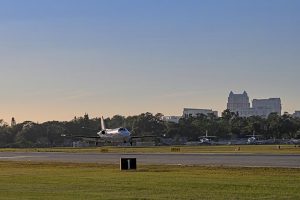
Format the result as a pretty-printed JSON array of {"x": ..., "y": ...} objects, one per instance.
[{"x": 251, "y": 160}]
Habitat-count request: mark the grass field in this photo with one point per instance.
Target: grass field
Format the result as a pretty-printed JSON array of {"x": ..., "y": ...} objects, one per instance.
[
  {"x": 284, "y": 149},
  {"x": 21, "y": 180}
]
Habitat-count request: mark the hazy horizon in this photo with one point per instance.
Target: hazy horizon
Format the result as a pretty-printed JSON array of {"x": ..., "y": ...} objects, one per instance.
[{"x": 60, "y": 59}]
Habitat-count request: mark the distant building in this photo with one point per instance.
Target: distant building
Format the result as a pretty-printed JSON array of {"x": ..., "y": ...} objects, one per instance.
[
  {"x": 174, "y": 119},
  {"x": 193, "y": 112},
  {"x": 271, "y": 105},
  {"x": 296, "y": 113},
  {"x": 239, "y": 103}
]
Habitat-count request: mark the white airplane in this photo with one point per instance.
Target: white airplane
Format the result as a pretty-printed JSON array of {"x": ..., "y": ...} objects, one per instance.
[
  {"x": 294, "y": 141},
  {"x": 253, "y": 139},
  {"x": 206, "y": 139},
  {"x": 118, "y": 135}
]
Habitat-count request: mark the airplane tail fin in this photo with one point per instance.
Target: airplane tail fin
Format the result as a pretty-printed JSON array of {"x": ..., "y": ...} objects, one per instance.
[{"x": 102, "y": 124}]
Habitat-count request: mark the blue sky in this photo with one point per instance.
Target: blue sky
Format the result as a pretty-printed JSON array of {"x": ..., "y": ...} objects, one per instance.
[{"x": 61, "y": 58}]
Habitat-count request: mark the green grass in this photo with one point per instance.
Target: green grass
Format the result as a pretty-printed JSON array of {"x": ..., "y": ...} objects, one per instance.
[
  {"x": 21, "y": 180},
  {"x": 284, "y": 149}
]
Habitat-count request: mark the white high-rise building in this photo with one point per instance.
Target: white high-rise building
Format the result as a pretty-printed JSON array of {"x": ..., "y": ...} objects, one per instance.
[{"x": 239, "y": 103}]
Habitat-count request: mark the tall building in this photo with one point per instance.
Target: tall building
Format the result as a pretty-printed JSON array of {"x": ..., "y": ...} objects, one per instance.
[
  {"x": 271, "y": 105},
  {"x": 239, "y": 103},
  {"x": 194, "y": 112}
]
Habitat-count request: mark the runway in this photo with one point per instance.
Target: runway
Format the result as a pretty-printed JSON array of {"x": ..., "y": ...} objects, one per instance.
[{"x": 204, "y": 159}]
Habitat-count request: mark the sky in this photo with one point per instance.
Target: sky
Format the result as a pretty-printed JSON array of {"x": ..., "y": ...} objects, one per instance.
[{"x": 64, "y": 58}]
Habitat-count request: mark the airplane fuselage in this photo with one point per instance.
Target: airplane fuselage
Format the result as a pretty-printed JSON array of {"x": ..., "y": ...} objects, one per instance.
[
  {"x": 251, "y": 140},
  {"x": 205, "y": 141},
  {"x": 115, "y": 135}
]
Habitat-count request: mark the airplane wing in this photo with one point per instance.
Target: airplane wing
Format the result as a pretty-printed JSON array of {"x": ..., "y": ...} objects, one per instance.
[
  {"x": 253, "y": 135},
  {"x": 207, "y": 136},
  {"x": 144, "y": 136},
  {"x": 80, "y": 136},
  {"x": 95, "y": 139}
]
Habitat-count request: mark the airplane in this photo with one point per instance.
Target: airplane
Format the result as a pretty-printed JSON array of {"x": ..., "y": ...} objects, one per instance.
[
  {"x": 118, "y": 135},
  {"x": 294, "y": 141},
  {"x": 206, "y": 139},
  {"x": 253, "y": 139}
]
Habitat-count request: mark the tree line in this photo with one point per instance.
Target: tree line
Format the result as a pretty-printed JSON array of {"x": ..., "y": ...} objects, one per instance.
[{"x": 228, "y": 126}]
